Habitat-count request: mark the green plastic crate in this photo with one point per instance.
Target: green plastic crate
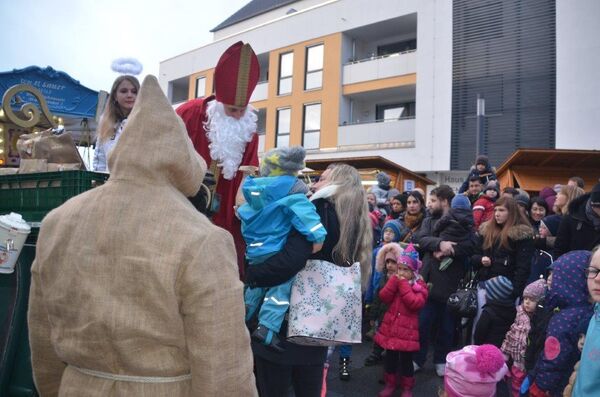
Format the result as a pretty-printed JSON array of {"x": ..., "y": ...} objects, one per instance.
[{"x": 34, "y": 195}]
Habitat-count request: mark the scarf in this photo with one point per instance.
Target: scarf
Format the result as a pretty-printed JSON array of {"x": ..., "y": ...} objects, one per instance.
[
  {"x": 412, "y": 222},
  {"x": 324, "y": 192},
  {"x": 591, "y": 215}
]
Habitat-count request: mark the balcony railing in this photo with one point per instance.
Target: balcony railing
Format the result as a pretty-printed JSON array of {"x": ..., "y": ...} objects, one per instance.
[
  {"x": 373, "y": 57},
  {"x": 377, "y": 132},
  {"x": 380, "y": 67}
]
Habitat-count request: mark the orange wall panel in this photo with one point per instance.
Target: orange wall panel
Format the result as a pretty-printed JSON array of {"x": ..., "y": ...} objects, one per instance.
[{"x": 373, "y": 85}]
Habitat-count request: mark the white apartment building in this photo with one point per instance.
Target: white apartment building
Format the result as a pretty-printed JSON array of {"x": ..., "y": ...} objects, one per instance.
[{"x": 399, "y": 78}]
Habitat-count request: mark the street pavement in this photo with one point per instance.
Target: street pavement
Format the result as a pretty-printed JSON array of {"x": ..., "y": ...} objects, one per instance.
[{"x": 364, "y": 380}]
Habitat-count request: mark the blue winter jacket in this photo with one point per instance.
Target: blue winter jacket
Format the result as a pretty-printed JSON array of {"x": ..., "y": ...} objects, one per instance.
[
  {"x": 569, "y": 295},
  {"x": 588, "y": 377},
  {"x": 270, "y": 212}
]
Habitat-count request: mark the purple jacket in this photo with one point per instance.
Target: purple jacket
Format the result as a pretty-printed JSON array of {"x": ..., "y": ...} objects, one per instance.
[{"x": 569, "y": 299}]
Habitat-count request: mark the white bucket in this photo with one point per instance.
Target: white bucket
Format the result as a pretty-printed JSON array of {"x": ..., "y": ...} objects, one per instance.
[{"x": 13, "y": 233}]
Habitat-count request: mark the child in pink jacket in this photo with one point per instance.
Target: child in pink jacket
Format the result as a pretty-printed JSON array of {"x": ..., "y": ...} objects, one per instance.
[
  {"x": 515, "y": 342},
  {"x": 405, "y": 293}
]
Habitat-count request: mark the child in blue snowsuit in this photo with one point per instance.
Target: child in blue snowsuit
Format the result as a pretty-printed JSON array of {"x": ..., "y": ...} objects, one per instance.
[{"x": 275, "y": 203}]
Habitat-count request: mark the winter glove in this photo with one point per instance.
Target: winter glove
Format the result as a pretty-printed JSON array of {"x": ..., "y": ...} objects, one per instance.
[
  {"x": 202, "y": 201},
  {"x": 525, "y": 386}
]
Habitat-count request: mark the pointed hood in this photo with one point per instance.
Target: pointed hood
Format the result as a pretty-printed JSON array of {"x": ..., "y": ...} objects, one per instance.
[
  {"x": 569, "y": 285},
  {"x": 155, "y": 147}
]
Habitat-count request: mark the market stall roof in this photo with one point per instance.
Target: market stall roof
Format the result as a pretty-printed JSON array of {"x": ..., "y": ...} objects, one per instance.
[
  {"x": 369, "y": 162},
  {"x": 533, "y": 169}
]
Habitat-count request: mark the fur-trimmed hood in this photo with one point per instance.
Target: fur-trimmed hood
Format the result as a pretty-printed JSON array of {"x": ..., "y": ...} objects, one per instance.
[
  {"x": 389, "y": 248},
  {"x": 516, "y": 232}
]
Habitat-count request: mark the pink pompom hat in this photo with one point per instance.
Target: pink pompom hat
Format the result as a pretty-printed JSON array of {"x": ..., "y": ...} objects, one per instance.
[{"x": 474, "y": 371}]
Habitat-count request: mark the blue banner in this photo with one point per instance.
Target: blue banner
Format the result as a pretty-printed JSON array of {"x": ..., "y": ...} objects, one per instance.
[{"x": 64, "y": 95}]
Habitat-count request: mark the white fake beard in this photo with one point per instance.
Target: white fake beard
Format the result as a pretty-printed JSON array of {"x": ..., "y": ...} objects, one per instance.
[{"x": 228, "y": 137}]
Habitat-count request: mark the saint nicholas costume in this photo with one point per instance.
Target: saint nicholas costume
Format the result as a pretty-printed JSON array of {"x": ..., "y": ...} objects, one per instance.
[{"x": 235, "y": 78}]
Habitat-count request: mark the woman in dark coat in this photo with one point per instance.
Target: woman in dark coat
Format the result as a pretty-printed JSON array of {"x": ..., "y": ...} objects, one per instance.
[
  {"x": 580, "y": 228},
  {"x": 340, "y": 201},
  {"x": 505, "y": 246}
]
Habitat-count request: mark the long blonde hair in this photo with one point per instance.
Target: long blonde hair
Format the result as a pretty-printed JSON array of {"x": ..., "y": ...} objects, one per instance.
[
  {"x": 493, "y": 232},
  {"x": 356, "y": 239},
  {"x": 112, "y": 112},
  {"x": 571, "y": 192}
]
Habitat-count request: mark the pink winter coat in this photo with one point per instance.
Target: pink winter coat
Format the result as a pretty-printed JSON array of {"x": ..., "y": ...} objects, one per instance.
[{"x": 399, "y": 329}]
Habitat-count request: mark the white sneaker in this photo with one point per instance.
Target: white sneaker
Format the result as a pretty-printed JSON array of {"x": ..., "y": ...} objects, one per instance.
[
  {"x": 440, "y": 369},
  {"x": 416, "y": 366}
]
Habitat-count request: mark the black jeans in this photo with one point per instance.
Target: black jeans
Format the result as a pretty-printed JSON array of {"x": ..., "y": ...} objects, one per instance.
[
  {"x": 274, "y": 380},
  {"x": 393, "y": 358},
  {"x": 435, "y": 312}
]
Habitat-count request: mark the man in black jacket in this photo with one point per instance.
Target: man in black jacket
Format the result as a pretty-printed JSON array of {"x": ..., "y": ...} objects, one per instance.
[
  {"x": 443, "y": 282},
  {"x": 580, "y": 228}
]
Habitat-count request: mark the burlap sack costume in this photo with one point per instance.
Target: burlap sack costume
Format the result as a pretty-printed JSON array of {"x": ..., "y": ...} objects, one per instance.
[{"x": 130, "y": 280}]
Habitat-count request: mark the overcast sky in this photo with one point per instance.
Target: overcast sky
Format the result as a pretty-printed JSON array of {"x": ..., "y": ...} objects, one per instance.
[{"x": 83, "y": 37}]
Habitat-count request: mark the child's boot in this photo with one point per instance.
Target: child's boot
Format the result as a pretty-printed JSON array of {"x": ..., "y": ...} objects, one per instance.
[
  {"x": 344, "y": 368},
  {"x": 391, "y": 383},
  {"x": 407, "y": 383}
]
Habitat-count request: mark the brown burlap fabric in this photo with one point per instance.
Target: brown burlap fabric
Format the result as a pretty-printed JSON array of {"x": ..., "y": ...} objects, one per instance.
[{"x": 130, "y": 279}]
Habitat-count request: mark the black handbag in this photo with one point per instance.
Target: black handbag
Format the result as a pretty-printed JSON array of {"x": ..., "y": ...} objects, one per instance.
[{"x": 463, "y": 302}]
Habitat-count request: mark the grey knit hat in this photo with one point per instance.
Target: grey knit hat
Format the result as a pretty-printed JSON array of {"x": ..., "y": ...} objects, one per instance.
[
  {"x": 283, "y": 161},
  {"x": 383, "y": 179},
  {"x": 522, "y": 199}
]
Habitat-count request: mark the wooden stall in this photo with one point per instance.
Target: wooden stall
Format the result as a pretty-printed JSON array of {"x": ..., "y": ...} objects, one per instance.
[
  {"x": 403, "y": 179},
  {"x": 533, "y": 169}
]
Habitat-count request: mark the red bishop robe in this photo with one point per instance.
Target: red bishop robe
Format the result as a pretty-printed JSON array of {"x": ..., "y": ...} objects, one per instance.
[{"x": 193, "y": 114}]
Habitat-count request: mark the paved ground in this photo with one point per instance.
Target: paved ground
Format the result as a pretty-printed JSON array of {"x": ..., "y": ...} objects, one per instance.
[{"x": 364, "y": 380}]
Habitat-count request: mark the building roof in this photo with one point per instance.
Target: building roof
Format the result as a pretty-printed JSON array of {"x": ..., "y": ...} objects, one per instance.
[
  {"x": 252, "y": 9},
  {"x": 369, "y": 162},
  {"x": 533, "y": 169}
]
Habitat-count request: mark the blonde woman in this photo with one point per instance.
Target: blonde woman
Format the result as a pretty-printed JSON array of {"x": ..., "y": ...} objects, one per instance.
[
  {"x": 120, "y": 102},
  {"x": 341, "y": 203},
  {"x": 564, "y": 197}
]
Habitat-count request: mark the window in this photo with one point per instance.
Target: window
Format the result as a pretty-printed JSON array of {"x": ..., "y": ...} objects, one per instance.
[
  {"x": 261, "y": 128},
  {"x": 314, "y": 67},
  {"x": 286, "y": 66},
  {"x": 261, "y": 122},
  {"x": 395, "y": 111},
  {"x": 282, "y": 138},
  {"x": 400, "y": 46},
  {"x": 200, "y": 87},
  {"x": 312, "y": 126}
]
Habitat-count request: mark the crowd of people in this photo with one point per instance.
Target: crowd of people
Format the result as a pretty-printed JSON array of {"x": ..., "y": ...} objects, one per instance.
[
  {"x": 534, "y": 262},
  {"x": 226, "y": 278}
]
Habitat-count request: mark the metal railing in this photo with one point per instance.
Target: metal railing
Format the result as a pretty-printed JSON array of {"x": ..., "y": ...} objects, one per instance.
[
  {"x": 377, "y": 121},
  {"x": 374, "y": 57}
]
